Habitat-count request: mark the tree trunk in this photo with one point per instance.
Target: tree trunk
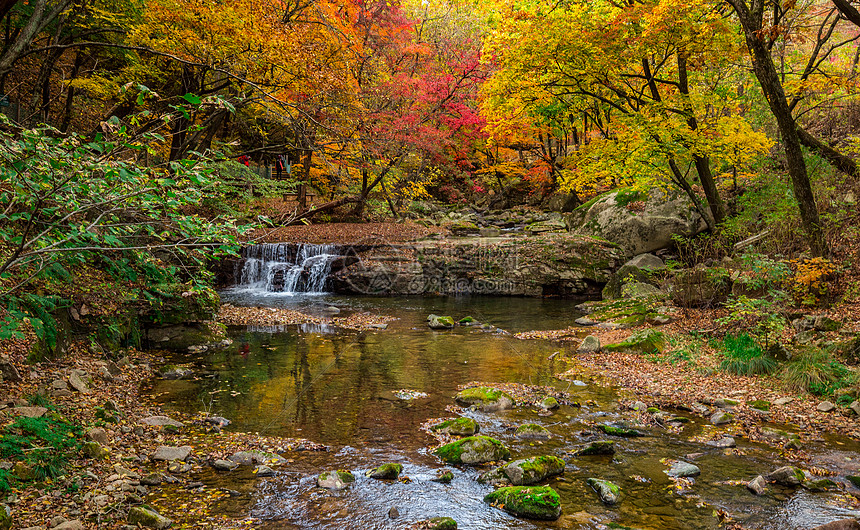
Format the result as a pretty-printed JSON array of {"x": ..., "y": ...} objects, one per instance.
[
  {"x": 841, "y": 162},
  {"x": 768, "y": 78}
]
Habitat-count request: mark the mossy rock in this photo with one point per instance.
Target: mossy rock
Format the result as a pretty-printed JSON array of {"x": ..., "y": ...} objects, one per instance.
[
  {"x": 607, "y": 491},
  {"x": 438, "y": 523},
  {"x": 548, "y": 403},
  {"x": 484, "y": 398},
  {"x": 786, "y": 476},
  {"x": 652, "y": 410},
  {"x": 473, "y": 450},
  {"x": 445, "y": 477},
  {"x": 760, "y": 404},
  {"x": 6, "y": 521},
  {"x": 335, "y": 480},
  {"x": 525, "y": 471},
  {"x": 24, "y": 471},
  {"x": 437, "y": 322},
  {"x": 601, "y": 447},
  {"x": 467, "y": 321},
  {"x": 531, "y": 502},
  {"x": 457, "y": 427},
  {"x": 533, "y": 431},
  {"x": 389, "y": 471},
  {"x": 619, "y": 430},
  {"x": 95, "y": 451},
  {"x": 853, "y": 479},
  {"x": 145, "y": 516},
  {"x": 646, "y": 341},
  {"x": 824, "y": 484}
]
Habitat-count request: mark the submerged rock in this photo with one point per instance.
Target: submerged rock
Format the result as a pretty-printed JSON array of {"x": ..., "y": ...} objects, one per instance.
[
  {"x": 602, "y": 447},
  {"x": 484, "y": 398},
  {"x": 757, "y": 485},
  {"x": 682, "y": 469},
  {"x": 437, "y": 523},
  {"x": 607, "y": 491},
  {"x": 532, "y": 502},
  {"x": 525, "y": 471},
  {"x": 620, "y": 430},
  {"x": 445, "y": 477},
  {"x": 548, "y": 403},
  {"x": 533, "y": 431},
  {"x": 335, "y": 480},
  {"x": 473, "y": 450},
  {"x": 224, "y": 465},
  {"x": 385, "y": 471},
  {"x": 786, "y": 476},
  {"x": 457, "y": 427}
]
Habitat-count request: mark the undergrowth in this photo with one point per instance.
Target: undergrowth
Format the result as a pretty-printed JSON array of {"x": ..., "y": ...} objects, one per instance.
[
  {"x": 743, "y": 356},
  {"x": 815, "y": 371}
]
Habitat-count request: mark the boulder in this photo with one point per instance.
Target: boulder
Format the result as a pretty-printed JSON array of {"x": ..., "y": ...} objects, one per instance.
[
  {"x": 531, "y": 502},
  {"x": 437, "y": 322},
  {"x": 681, "y": 469},
  {"x": 97, "y": 434},
  {"x": 619, "y": 429},
  {"x": 9, "y": 371},
  {"x": 169, "y": 453},
  {"x": 786, "y": 476},
  {"x": 148, "y": 518},
  {"x": 161, "y": 421},
  {"x": 457, "y": 427},
  {"x": 29, "y": 412},
  {"x": 77, "y": 382},
  {"x": 253, "y": 458},
  {"x": 548, "y": 403},
  {"x": 607, "y": 491},
  {"x": 386, "y": 471},
  {"x": 525, "y": 471},
  {"x": 533, "y": 431},
  {"x": 722, "y": 417},
  {"x": 485, "y": 399},
  {"x": 757, "y": 485},
  {"x": 602, "y": 447},
  {"x": 589, "y": 344},
  {"x": 335, "y": 480},
  {"x": 224, "y": 465},
  {"x": 637, "y": 230},
  {"x": 264, "y": 471},
  {"x": 473, "y": 450},
  {"x": 645, "y": 341},
  {"x": 842, "y": 524}
]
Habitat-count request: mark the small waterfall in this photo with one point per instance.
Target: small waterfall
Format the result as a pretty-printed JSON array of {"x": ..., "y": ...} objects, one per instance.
[{"x": 286, "y": 267}]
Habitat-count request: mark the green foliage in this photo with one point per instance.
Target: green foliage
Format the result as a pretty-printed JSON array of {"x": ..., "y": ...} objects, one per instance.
[
  {"x": 815, "y": 371},
  {"x": 757, "y": 316},
  {"x": 45, "y": 444},
  {"x": 743, "y": 356},
  {"x": 237, "y": 185}
]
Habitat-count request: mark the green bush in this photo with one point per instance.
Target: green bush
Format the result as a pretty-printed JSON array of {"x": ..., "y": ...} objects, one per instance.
[
  {"x": 815, "y": 371},
  {"x": 46, "y": 444},
  {"x": 743, "y": 356}
]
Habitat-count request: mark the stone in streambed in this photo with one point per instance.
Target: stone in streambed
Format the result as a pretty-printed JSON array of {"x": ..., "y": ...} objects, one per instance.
[
  {"x": 757, "y": 485},
  {"x": 335, "y": 480},
  {"x": 161, "y": 421},
  {"x": 620, "y": 430},
  {"x": 437, "y": 322},
  {"x": 723, "y": 443},
  {"x": 722, "y": 418},
  {"x": 682, "y": 470},
  {"x": 548, "y": 403},
  {"x": 484, "y": 398},
  {"x": 264, "y": 471},
  {"x": 438, "y": 523},
  {"x": 457, "y": 427},
  {"x": 473, "y": 450},
  {"x": 148, "y": 518},
  {"x": 602, "y": 447},
  {"x": 385, "y": 471},
  {"x": 444, "y": 477},
  {"x": 842, "y": 524},
  {"x": 607, "y": 491},
  {"x": 533, "y": 431},
  {"x": 525, "y": 471},
  {"x": 786, "y": 476},
  {"x": 531, "y": 502},
  {"x": 225, "y": 465},
  {"x": 589, "y": 344},
  {"x": 168, "y": 453},
  {"x": 254, "y": 458}
]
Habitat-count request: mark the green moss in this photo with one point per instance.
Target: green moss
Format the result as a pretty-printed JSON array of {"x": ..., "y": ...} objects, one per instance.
[
  {"x": 823, "y": 484},
  {"x": 485, "y": 397},
  {"x": 467, "y": 320},
  {"x": 441, "y": 523},
  {"x": 477, "y": 449},
  {"x": 760, "y": 404},
  {"x": 549, "y": 403},
  {"x": 385, "y": 471},
  {"x": 526, "y": 501},
  {"x": 607, "y": 491},
  {"x": 653, "y": 410},
  {"x": 602, "y": 447},
  {"x": 647, "y": 341},
  {"x": 619, "y": 431},
  {"x": 853, "y": 479},
  {"x": 457, "y": 427},
  {"x": 532, "y": 429},
  {"x": 445, "y": 477}
]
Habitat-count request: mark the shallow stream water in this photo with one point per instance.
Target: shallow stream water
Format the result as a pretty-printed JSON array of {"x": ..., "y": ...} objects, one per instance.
[{"x": 338, "y": 388}]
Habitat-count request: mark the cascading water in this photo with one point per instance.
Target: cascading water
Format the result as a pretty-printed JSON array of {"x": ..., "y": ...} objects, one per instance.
[{"x": 286, "y": 267}]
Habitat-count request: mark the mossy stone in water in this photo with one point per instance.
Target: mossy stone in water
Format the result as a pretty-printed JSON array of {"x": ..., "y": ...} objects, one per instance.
[
  {"x": 139, "y": 515},
  {"x": 548, "y": 403},
  {"x": 853, "y": 479},
  {"x": 438, "y": 523},
  {"x": 473, "y": 450},
  {"x": 532, "y": 502},
  {"x": 617, "y": 430},
  {"x": 607, "y": 491},
  {"x": 525, "y": 471},
  {"x": 602, "y": 447},
  {"x": 335, "y": 480},
  {"x": 534, "y": 431},
  {"x": 385, "y": 471},
  {"x": 457, "y": 427},
  {"x": 824, "y": 484},
  {"x": 437, "y": 322},
  {"x": 467, "y": 321},
  {"x": 445, "y": 477},
  {"x": 484, "y": 398}
]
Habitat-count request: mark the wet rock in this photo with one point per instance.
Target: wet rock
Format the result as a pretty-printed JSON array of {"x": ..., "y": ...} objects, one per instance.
[
  {"x": 682, "y": 469},
  {"x": 825, "y": 406},
  {"x": 175, "y": 372},
  {"x": 473, "y": 450},
  {"x": 584, "y": 321},
  {"x": 148, "y": 518},
  {"x": 602, "y": 447},
  {"x": 385, "y": 471},
  {"x": 169, "y": 453},
  {"x": 823, "y": 484},
  {"x": 525, "y": 471},
  {"x": 457, "y": 427},
  {"x": 438, "y": 523},
  {"x": 757, "y": 485},
  {"x": 533, "y": 431},
  {"x": 155, "y": 479},
  {"x": 723, "y": 443},
  {"x": 786, "y": 476},
  {"x": 646, "y": 341},
  {"x": 548, "y": 403},
  {"x": 607, "y": 491},
  {"x": 335, "y": 480},
  {"x": 218, "y": 421},
  {"x": 589, "y": 344},
  {"x": 393, "y": 512},
  {"x": 445, "y": 477},
  {"x": 842, "y": 524},
  {"x": 532, "y": 502},
  {"x": 95, "y": 451},
  {"x": 161, "y": 421},
  {"x": 722, "y": 417},
  {"x": 437, "y": 322},
  {"x": 178, "y": 467},
  {"x": 250, "y": 458},
  {"x": 619, "y": 430},
  {"x": 264, "y": 471},
  {"x": 97, "y": 434},
  {"x": 224, "y": 465},
  {"x": 485, "y": 399}
]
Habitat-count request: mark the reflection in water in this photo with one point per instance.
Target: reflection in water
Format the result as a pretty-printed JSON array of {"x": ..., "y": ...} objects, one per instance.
[{"x": 339, "y": 389}]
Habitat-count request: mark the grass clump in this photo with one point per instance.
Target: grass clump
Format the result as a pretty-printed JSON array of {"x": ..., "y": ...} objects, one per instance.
[
  {"x": 743, "y": 356},
  {"x": 45, "y": 445},
  {"x": 816, "y": 372}
]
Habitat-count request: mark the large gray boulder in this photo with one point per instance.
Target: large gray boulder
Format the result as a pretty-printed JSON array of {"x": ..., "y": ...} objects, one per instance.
[{"x": 637, "y": 221}]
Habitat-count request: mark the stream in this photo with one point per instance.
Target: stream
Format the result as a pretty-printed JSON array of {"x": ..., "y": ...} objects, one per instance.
[{"x": 339, "y": 388}]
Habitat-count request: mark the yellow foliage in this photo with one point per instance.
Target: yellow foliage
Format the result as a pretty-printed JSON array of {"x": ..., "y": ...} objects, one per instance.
[{"x": 808, "y": 284}]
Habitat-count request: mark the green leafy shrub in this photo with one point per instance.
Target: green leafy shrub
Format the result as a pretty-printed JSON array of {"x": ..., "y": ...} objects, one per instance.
[
  {"x": 743, "y": 356},
  {"x": 45, "y": 444}
]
